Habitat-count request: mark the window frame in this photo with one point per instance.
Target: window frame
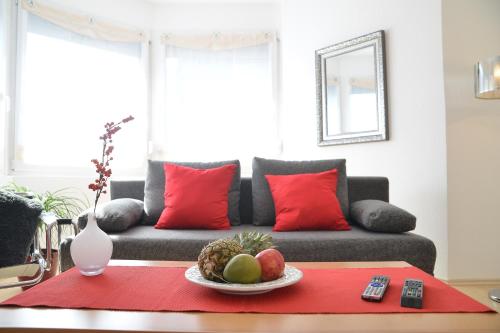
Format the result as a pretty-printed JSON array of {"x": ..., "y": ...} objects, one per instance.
[{"x": 10, "y": 84}]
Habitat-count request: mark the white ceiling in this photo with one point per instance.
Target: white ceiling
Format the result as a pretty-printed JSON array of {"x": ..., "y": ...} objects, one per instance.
[{"x": 210, "y": 1}]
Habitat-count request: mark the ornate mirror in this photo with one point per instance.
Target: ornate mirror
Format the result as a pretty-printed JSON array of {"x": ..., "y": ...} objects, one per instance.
[{"x": 351, "y": 91}]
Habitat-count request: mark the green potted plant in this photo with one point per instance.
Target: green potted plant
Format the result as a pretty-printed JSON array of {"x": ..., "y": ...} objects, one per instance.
[{"x": 61, "y": 202}]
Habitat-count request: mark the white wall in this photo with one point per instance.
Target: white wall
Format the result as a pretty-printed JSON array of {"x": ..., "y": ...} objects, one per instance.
[
  {"x": 470, "y": 33},
  {"x": 414, "y": 159},
  {"x": 209, "y": 17}
]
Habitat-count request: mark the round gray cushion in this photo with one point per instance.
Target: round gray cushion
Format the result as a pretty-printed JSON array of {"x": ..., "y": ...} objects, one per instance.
[
  {"x": 116, "y": 215},
  {"x": 381, "y": 216}
]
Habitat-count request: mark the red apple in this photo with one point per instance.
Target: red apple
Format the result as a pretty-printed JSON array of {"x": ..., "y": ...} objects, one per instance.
[{"x": 272, "y": 264}]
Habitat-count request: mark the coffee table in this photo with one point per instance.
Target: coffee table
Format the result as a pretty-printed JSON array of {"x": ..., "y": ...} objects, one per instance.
[{"x": 71, "y": 320}]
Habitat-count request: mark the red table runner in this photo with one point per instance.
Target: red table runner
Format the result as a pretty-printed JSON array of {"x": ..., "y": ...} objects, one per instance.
[{"x": 166, "y": 289}]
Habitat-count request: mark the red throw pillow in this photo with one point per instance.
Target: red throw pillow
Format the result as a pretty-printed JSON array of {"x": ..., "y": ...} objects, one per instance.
[
  {"x": 307, "y": 202},
  {"x": 196, "y": 198}
]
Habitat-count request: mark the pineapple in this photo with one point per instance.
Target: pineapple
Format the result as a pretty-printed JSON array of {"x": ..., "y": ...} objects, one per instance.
[
  {"x": 214, "y": 257},
  {"x": 253, "y": 242}
]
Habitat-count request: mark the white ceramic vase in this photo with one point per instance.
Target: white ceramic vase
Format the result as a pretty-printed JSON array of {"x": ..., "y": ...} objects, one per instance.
[{"x": 91, "y": 249}]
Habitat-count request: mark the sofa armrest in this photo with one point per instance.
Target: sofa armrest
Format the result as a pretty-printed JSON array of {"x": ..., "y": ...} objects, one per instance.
[
  {"x": 116, "y": 215},
  {"x": 381, "y": 216}
]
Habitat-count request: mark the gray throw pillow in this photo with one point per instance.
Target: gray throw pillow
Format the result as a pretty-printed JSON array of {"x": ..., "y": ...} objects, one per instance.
[
  {"x": 115, "y": 215},
  {"x": 154, "y": 190},
  {"x": 376, "y": 215},
  {"x": 262, "y": 199}
]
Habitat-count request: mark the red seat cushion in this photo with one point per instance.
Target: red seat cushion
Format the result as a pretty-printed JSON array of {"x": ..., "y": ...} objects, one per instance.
[
  {"x": 196, "y": 198},
  {"x": 307, "y": 202}
]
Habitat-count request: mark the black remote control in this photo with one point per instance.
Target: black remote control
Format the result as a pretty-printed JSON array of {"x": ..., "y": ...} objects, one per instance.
[
  {"x": 412, "y": 294},
  {"x": 376, "y": 288}
]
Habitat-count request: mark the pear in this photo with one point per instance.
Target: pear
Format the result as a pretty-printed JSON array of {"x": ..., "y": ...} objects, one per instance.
[{"x": 242, "y": 268}]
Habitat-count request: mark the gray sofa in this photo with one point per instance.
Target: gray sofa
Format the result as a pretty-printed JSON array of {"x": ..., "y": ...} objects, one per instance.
[{"x": 144, "y": 242}]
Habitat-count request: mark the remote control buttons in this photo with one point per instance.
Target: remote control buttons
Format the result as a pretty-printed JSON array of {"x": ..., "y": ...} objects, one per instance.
[
  {"x": 376, "y": 288},
  {"x": 412, "y": 294}
]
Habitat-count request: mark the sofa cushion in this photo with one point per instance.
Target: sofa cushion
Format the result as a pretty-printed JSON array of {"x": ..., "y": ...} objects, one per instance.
[
  {"x": 116, "y": 215},
  {"x": 262, "y": 200},
  {"x": 357, "y": 244},
  {"x": 154, "y": 189},
  {"x": 196, "y": 198},
  {"x": 381, "y": 216},
  {"x": 306, "y": 201}
]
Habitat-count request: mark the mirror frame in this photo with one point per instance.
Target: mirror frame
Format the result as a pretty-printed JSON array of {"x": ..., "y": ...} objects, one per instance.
[{"x": 378, "y": 41}]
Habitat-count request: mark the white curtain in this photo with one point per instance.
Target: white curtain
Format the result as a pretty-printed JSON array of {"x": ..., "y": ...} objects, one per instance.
[
  {"x": 82, "y": 24},
  {"x": 218, "y": 41},
  {"x": 220, "y": 100},
  {"x": 70, "y": 85}
]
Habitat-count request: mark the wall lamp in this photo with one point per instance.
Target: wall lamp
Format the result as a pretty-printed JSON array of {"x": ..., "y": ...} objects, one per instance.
[{"x": 487, "y": 78}]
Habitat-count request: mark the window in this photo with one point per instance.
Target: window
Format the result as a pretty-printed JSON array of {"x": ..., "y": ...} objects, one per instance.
[
  {"x": 363, "y": 115},
  {"x": 70, "y": 85},
  {"x": 220, "y": 103}
]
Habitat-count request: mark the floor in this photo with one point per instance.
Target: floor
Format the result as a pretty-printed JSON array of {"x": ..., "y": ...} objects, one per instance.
[
  {"x": 479, "y": 292},
  {"x": 7, "y": 293}
]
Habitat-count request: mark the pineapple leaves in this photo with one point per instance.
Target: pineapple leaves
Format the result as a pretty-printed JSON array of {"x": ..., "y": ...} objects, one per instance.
[{"x": 254, "y": 242}]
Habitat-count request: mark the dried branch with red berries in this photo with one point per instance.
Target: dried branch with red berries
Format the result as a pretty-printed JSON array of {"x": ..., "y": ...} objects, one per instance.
[{"x": 103, "y": 167}]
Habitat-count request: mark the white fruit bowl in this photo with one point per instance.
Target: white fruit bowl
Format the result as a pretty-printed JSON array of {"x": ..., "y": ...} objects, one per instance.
[{"x": 291, "y": 276}]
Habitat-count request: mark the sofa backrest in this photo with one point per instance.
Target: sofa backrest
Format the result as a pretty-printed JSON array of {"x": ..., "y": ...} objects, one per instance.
[{"x": 359, "y": 188}]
